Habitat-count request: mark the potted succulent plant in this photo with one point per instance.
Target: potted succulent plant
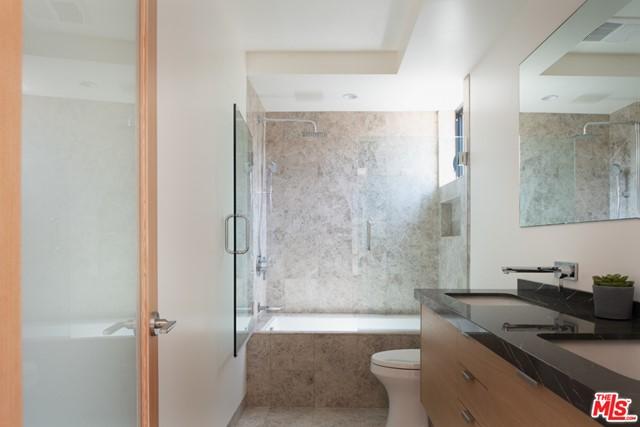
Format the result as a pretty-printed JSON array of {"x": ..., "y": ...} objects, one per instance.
[{"x": 613, "y": 296}]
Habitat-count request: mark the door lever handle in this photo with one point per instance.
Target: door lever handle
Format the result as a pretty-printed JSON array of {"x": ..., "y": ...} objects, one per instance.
[{"x": 159, "y": 326}]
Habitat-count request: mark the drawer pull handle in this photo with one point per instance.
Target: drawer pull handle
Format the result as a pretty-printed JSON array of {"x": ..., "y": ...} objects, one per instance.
[
  {"x": 468, "y": 418},
  {"x": 468, "y": 376},
  {"x": 527, "y": 378}
]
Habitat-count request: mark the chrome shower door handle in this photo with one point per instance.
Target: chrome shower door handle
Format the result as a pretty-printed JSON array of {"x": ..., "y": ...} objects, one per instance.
[
  {"x": 369, "y": 227},
  {"x": 247, "y": 235}
]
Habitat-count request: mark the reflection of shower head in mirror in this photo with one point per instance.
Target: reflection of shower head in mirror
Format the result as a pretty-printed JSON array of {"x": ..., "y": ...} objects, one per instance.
[{"x": 585, "y": 129}]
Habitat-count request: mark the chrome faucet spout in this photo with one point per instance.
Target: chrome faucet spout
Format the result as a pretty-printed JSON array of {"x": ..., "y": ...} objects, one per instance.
[
  {"x": 561, "y": 271},
  {"x": 508, "y": 270}
]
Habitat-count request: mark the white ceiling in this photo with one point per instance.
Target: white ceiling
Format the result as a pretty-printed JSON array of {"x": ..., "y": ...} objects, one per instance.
[
  {"x": 588, "y": 77},
  {"x": 438, "y": 42},
  {"x": 336, "y": 25},
  {"x": 415, "y": 53}
]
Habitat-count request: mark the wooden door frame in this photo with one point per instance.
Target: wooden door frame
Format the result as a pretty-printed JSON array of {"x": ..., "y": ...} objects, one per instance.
[
  {"x": 148, "y": 296},
  {"x": 10, "y": 160},
  {"x": 11, "y": 405}
]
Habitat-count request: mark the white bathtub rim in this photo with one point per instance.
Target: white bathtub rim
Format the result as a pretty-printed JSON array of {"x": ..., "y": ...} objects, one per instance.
[{"x": 267, "y": 328}]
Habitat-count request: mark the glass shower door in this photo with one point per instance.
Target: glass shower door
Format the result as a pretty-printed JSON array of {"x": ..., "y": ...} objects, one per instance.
[
  {"x": 242, "y": 235},
  {"x": 80, "y": 272}
]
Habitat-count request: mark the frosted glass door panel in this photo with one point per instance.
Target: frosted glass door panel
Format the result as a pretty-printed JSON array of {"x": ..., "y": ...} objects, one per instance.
[{"x": 80, "y": 213}]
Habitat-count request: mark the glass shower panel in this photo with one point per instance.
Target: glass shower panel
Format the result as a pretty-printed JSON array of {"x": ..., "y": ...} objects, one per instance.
[
  {"x": 242, "y": 220},
  {"x": 80, "y": 213},
  {"x": 623, "y": 170},
  {"x": 398, "y": 210}
]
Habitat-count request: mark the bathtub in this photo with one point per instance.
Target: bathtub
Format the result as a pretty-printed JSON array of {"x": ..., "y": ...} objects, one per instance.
[
  {"x": 342, "y": 323},
  {"x": 323, "y": 360}
]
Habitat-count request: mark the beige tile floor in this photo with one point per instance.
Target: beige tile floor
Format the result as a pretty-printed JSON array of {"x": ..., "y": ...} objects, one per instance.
[{"x": 312, "y": 417}]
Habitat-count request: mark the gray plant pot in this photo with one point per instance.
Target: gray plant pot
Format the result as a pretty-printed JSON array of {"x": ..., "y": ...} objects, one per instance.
[{"x": 611, "y": 302}]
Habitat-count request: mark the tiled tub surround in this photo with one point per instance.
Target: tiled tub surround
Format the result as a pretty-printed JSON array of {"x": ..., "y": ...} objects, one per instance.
[
  {"x": 318, "y": 370},
  {"x": 377, "y": 167},
  {"x": 569, "y": 376}
]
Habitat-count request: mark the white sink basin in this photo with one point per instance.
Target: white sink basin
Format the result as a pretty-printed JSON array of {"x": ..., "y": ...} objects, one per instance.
[
  {"x": 489, "y": 299},
  {"x": 621, "y": 356}
]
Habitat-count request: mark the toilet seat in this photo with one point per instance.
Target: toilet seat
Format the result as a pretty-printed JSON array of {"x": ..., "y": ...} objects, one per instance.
[{"x": 408, "y": 359}]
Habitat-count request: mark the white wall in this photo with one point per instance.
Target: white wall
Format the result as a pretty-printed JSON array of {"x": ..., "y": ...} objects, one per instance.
[
  {"x": 201, "y": 75},
  {"x": 496, "y": 238}
]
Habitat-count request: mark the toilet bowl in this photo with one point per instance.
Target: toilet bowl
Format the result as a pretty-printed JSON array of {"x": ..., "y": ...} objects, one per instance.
[{"x": 399, "y": 372}]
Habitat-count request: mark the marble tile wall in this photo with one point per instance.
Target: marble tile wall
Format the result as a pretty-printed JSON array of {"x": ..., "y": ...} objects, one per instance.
[
  {"x": 376, "y": 167},
  {"x": 318, "y": 370},
  {"x": 453, "y": 270},
  {"x": 564, "y": 177}
]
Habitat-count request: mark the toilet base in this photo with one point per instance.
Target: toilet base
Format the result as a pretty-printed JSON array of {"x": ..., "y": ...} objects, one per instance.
[{"x": 403, "y": 389}]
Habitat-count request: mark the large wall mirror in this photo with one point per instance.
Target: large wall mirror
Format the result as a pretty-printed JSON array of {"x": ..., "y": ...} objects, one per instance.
[{"x": 580, "y": 119}]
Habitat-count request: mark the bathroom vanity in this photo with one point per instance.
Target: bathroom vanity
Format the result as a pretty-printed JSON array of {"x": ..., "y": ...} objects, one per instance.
[{"x": 521, "y": 357}]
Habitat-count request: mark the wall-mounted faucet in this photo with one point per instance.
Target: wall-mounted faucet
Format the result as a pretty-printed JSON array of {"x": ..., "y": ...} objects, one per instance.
[{"x": 561, "y": 271}]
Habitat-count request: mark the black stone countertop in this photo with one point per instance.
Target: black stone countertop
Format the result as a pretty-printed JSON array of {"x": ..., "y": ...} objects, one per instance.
[{"x": 570, "y": 376}]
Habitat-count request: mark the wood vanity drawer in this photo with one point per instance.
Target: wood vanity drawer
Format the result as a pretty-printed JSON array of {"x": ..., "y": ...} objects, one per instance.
[
  {"x": 439, "y": 345},
  {"x": 476, "y": 397},
  {"x": 467, "y": 417},
  {"x": 510, "y": 399},
  {"x": 438, "y": 365}
]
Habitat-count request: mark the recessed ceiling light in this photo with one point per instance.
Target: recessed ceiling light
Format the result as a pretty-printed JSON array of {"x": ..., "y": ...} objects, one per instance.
[
  {"x": 350, "y": 96},
  {"x": 550, "y": 97},
  {"x": 88, "y": 83}
]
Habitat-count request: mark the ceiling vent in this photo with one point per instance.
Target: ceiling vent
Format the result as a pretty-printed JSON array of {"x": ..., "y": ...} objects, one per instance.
[
  {"x": 68, "y": 12},
  {"x": 602, "y": 32},
  {"x": 308, "y": 96}
]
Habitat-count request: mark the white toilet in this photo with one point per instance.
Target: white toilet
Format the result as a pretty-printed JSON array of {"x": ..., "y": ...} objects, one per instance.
[{"x": 399, "y": 372}]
